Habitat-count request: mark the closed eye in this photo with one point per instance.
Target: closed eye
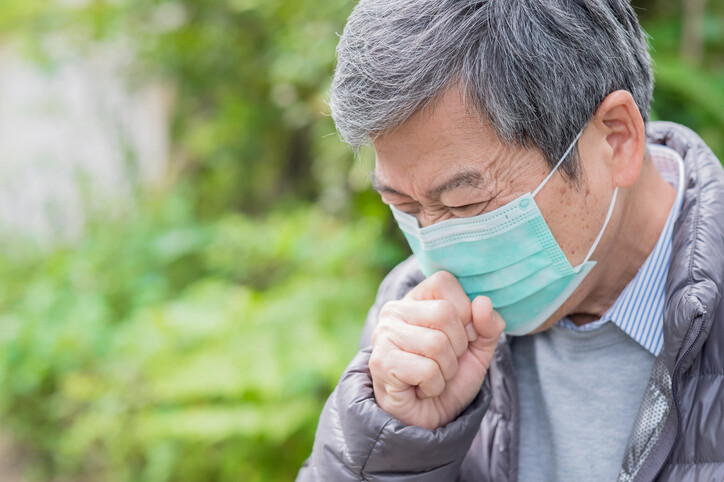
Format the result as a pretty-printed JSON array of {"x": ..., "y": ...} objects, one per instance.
[
  {"x": 468, "y": 210},
  {"x": 411, "y": 208}
]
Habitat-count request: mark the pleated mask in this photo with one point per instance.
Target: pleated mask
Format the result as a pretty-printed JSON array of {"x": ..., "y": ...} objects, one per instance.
[{"x": 508, "y": 255}]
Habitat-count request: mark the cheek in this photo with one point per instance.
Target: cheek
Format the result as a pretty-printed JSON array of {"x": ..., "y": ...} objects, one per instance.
[{"x": 573, "y": 219}]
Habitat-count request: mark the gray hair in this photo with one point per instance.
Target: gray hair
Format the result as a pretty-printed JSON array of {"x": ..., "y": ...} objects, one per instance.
[{"x": 535, "y": 69}]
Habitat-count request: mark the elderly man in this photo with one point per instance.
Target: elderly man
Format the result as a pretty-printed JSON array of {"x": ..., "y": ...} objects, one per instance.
[{"x": 562, "y": 315}]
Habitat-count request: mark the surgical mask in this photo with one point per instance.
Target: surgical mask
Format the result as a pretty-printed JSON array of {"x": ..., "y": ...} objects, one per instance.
[{"x": 508, "y": 255}]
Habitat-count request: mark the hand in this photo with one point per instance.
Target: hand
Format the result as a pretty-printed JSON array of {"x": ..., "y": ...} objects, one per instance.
[{"x": 431, "y": 351}]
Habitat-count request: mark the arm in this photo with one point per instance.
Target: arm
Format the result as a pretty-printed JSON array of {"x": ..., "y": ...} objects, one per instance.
[{"x": 357, "y": 440}]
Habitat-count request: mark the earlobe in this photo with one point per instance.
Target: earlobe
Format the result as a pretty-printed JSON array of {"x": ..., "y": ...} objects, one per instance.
[{"x": 625, "y": 135}]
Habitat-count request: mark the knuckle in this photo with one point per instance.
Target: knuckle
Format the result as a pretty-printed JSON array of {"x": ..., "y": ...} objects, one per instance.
[
  {"x": 443, "y": 311},
  {"x": 389, "y": 331},
  {"x": 392, "y": 312},
  {"x": 437, "y": 343},
  {"x": 441, "y": 278},
  {"x": 381, "y": 332},
  {"x": 388, "y": 310},
  {"x": 377, "y": 362},
  {"x": 429, "y": 371}
]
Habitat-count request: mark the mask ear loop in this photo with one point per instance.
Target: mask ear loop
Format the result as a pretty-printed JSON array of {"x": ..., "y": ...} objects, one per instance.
[
  {"x": 610, "y": 207},
  {"x": 605, "y": 223},
  {"x": 563, "y": 158}
]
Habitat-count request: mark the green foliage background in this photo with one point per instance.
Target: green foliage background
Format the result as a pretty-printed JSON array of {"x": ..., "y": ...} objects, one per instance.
[{"x": 198, "y": 337}]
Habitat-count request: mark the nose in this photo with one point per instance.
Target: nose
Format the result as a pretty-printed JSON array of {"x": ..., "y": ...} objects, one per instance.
[{"x": 425, "y": 219}]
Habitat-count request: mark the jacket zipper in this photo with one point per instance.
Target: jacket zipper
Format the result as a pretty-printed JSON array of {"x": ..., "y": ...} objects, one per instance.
[{"x": 674, "y": 390}]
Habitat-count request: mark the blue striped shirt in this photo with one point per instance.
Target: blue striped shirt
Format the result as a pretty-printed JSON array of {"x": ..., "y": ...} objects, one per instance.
[{"x": 639, "y": 310}]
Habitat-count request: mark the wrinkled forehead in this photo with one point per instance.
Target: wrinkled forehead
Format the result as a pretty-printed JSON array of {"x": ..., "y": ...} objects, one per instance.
[{"x": 447, "y": 144}]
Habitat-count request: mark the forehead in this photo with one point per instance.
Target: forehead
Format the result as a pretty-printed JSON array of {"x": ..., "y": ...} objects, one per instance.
[
  {"x": 442, "y": 140},
  {"x": 444, "y": 124}
]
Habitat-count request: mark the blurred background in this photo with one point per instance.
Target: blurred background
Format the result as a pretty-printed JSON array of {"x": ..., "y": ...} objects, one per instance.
[{"x": 188, "y": 249}]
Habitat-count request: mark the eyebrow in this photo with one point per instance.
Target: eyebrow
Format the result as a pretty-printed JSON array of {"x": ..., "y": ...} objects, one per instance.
[
  {"x": 465, "y": 177},
  {"x": 383, "y": 188}
]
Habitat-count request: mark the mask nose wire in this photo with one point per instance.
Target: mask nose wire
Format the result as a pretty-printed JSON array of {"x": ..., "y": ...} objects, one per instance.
[{"x": 563, "y": 158}]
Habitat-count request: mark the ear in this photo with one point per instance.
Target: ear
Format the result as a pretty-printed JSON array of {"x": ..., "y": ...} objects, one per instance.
[{"x": 621, "y": 127}]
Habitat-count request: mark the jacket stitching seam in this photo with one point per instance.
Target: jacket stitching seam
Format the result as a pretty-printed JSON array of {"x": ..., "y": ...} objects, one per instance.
[
  {"x": 374, "y": 444},
  {"x": 696, "y": 463},
  {"x": 699, "y": 312},
  {"x": 697, "y": 214}
]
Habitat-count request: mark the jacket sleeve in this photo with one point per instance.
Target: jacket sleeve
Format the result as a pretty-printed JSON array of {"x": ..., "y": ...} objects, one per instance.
[{"x": 356, "y": 440}]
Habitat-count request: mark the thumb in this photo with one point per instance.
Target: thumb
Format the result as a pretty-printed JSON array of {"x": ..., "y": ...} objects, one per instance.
[{"x": 489, "y": 325}]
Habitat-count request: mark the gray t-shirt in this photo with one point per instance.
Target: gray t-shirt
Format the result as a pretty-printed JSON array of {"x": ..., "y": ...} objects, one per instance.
[{"x": 579, "y": 392}]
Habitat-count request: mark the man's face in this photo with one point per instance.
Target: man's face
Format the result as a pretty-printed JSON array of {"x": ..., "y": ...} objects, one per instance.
[{"x": 446, "y": 163}]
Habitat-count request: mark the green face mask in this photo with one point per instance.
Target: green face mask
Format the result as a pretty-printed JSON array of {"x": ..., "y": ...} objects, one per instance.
[{"x": 508, "y": 255}]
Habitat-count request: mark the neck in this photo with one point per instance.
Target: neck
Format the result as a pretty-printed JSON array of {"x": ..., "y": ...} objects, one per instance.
[{"x": 646, "y": 206}]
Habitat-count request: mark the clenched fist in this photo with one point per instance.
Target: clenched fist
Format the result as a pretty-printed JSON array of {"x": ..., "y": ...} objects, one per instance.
[{"x": 431, "y": 351}]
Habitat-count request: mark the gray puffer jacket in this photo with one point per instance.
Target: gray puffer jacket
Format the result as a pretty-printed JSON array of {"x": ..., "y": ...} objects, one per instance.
[{"x": 678, "y": 434}]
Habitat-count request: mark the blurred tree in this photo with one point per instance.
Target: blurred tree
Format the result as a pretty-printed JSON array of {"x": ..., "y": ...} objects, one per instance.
[
  {"x": 250, "y": 79},
  {"x": 692, "y": 38}
]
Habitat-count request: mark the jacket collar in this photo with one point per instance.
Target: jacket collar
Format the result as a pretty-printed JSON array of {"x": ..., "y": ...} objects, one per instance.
[{"x": 696, "y": 273}]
